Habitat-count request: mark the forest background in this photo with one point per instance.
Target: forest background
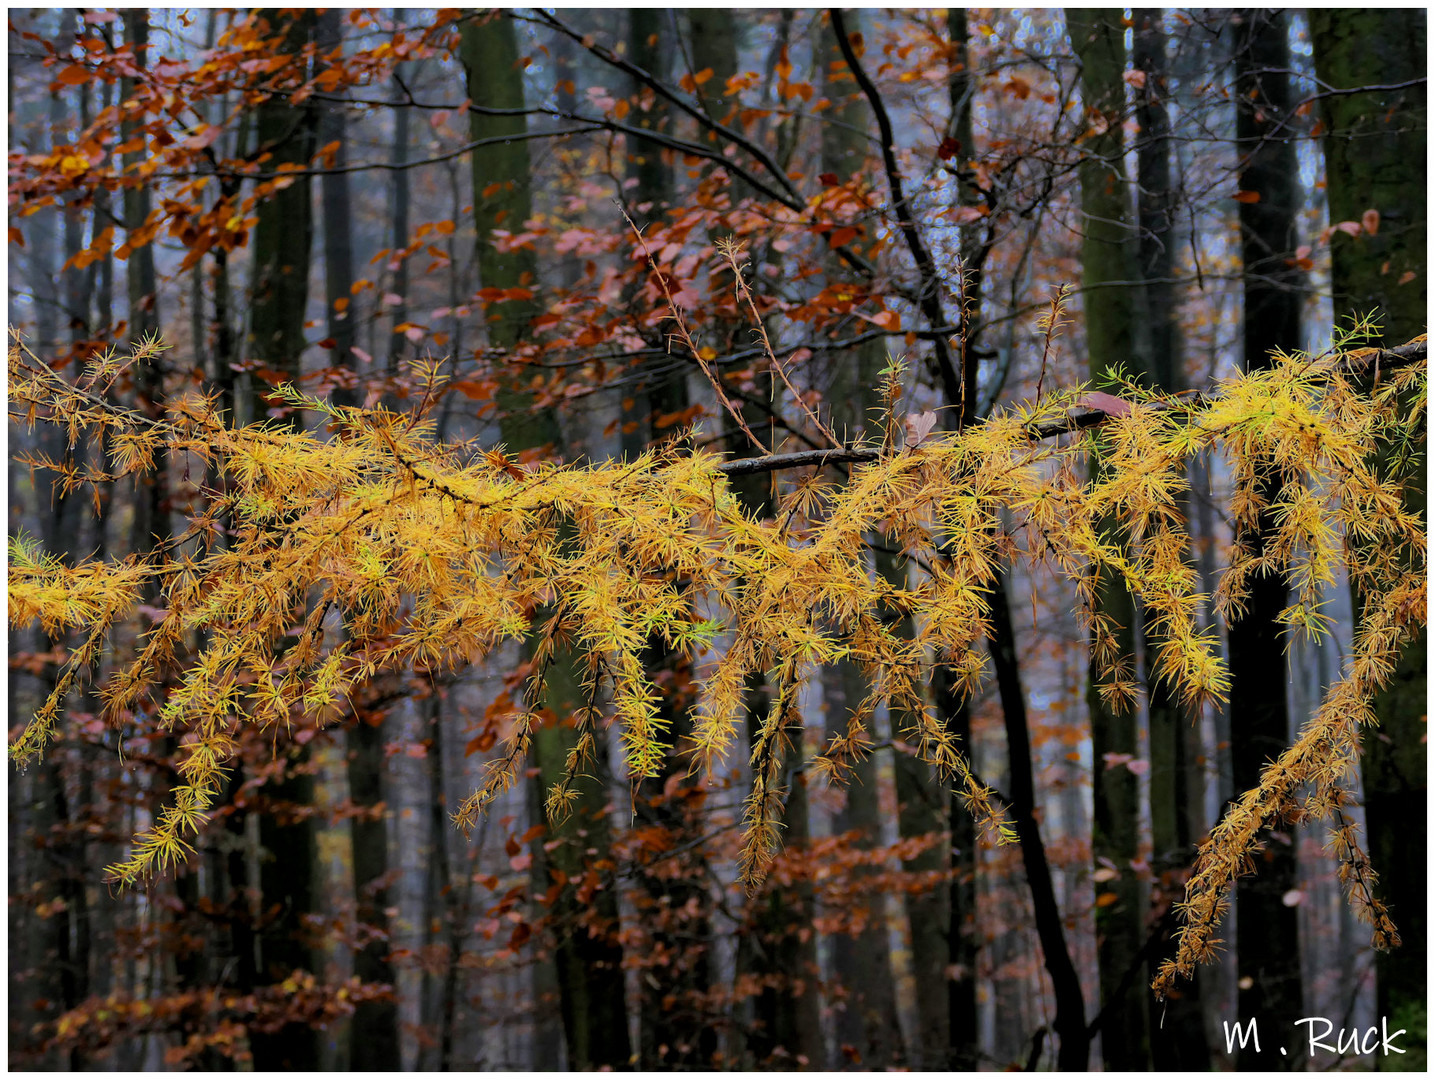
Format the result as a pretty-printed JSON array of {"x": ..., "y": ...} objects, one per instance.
[{"x": 1011, "y": 202}]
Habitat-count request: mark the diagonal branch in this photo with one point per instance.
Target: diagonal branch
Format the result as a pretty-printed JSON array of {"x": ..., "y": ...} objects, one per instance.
[{"x": 927, "y": 297}]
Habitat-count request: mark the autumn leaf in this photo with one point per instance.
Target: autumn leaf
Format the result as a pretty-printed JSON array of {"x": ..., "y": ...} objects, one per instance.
[
  {"x": 887, "y": 320},
  {"x": 1111, "y": 406},
  {"x": 919, "y": 426},
  {"x": 74, "y": 75},
  {"x": 1247, "y": 196}
]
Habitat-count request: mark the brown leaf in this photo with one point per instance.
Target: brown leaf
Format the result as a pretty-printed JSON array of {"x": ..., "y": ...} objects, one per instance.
[{"x": 919, "y": 426}]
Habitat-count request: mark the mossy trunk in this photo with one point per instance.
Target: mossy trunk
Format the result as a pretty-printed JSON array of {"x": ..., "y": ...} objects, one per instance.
[
  {"x": 586, "y": 954},
  {"x": 1375, "y": 160},
  {"x": 1108, "y": 254}
]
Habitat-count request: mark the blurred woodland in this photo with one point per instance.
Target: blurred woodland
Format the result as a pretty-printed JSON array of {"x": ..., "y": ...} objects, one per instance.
[{"x": 974, "y": 443}]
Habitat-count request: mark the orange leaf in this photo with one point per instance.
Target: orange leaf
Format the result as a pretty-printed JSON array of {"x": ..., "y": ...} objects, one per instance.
[
  {"x": 842, "y": 236},
  {"x": 887, "y": 320},
  {"x": 16, "y": 236},
  {"x": 472, "y": 390},
  {"x": 73, "y": 75},
  {"x": 1247, "y": 196}
]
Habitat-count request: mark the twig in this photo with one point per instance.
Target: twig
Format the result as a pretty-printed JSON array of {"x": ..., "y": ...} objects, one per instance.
[
  {"x": 732, "y": 251},
  {"x": 684, "y": 336}
]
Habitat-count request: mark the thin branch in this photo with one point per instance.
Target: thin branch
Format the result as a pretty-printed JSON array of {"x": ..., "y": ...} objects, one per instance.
[
  {"x": 1413, "y": 352},
  {"x": 927, "y": 297}
]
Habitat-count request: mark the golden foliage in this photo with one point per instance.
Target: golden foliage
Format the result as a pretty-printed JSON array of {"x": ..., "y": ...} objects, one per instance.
[{"x": 434, "y": 553}]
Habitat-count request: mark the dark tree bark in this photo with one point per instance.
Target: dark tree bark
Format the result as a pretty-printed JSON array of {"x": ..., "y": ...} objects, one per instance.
[
  {"x": 399, "y": 207},
  {"x": 284, "y": 237},
  {"x": 1267, "y": 929},
  {"x": 1177, "y": 1033},
  {"x": 283, "y": 240},
  {"x": 337, "y": 207},
  {"x": 962, "y": 935},
  {"x": 1070, "y": 1022}
]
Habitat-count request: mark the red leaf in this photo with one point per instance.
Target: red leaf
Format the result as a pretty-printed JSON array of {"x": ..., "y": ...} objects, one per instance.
[
  {"x": 1247, "y": 196},
  {"x": 844, "y": 235}
]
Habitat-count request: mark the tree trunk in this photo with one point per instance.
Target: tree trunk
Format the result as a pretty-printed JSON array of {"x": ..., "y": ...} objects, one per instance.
[
  {"x": 1070, "y": 1021},
  {"x": 140, "y": 272},
  {"x": 399, "y": 217},
  {"x": 962, "y": 932},
  {"x": 337, "y": 206},
  {"x": 374, "y": 1026},
  {"x": 1178, "y": 1039},
  {"x": 1107, "y": 255},
  {"x": 284, "y": 235},
  {"x": 588, "y": 957},
  {"x": 289, "y": 871},
  {"x": 868, "y": 1033},
  {"x": 1375, "y": 154},
  {"x": 712, "y": 44},
  {"x": 1267, "y": 935}
]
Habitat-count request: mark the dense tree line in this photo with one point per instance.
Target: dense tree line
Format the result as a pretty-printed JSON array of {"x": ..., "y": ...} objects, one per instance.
[{"x": 820, "y": 244}]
